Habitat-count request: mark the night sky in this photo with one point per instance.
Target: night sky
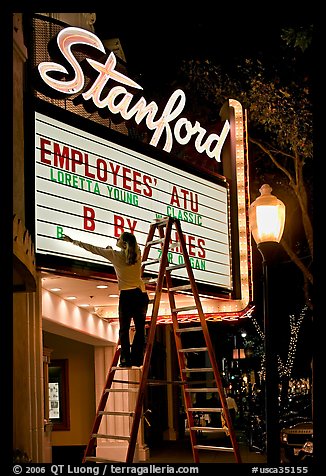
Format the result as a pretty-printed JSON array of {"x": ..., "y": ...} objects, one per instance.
[{"x": 155, "y": 42}]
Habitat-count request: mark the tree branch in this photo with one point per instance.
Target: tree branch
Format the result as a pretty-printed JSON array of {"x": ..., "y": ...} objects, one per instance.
[
  {"x": 271, "y": 156},
  {"x": 296, "y": 260}
]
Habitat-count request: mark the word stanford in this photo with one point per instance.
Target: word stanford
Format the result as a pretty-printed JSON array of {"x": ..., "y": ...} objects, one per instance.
[{"x": 118, "y": 100}]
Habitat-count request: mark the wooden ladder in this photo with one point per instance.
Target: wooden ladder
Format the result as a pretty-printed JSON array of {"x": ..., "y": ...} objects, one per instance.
[{"x": 163, "y": 227}]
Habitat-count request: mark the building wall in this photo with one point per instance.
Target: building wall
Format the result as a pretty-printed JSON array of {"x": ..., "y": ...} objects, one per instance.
[
  {"x": 19, "y": 59},
  {"x": 28, "y": 416},
  {"x": 81, "y": 388},
  {"x": 27, "y": 383},
  {"x": 82, "y": 20}
]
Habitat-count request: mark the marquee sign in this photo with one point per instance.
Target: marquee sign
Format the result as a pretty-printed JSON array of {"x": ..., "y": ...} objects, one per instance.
[{"x": 92, "y": 187}]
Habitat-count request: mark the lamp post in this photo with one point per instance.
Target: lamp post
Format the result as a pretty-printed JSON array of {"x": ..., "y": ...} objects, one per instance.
[{"x": 266, "y": 220}]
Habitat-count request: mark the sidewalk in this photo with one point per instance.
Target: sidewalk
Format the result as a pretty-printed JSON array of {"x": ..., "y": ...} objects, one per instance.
[{"x": 180, "y": 452}]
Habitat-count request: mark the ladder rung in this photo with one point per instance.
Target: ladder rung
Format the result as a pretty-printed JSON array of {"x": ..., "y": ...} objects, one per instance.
[
  {"x": 150, "y": 261},
  {"x": 175, "y": 266},
  {"x": 155, "y": 242},
  {"x": 110, "y": 437},
  {"x": 189, "y": 329},
  {"x": 208, "y": 389},
  {"x": 133, "y": 382},
  {"x": 193, "y": 349},
  {"x": 107, "y": 390},
  {"x": 205, "y": 410},
  {"x": 186, "y": 308},
  {"x": 181, "y": 288},
  {"x": 97, "y": 459},
  {"x": 214, "y": 448},
  {"x": 126, "y": 368},
  {"x": 160, "y": 221},
  {"x": 174, "y": 244},
  {"x": 149, "y": 280},
  {"x": 207, "y": 428},
  {"x": 105, "y": 412},
  {"x": 203, "y": 369}
]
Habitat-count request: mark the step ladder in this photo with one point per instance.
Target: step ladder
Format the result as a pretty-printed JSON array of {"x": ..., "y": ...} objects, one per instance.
[{"x": 163, "y": 242}]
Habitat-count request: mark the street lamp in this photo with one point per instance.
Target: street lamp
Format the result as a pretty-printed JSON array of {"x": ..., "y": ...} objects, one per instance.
[{"x": 266, "y": 220}]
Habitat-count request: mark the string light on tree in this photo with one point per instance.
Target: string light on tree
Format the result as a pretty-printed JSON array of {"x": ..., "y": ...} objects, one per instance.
[{"x": 295, "y": 325}]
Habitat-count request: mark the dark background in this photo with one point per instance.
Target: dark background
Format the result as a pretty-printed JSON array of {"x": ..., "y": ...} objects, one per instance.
[{"x": 155, "y": 42}]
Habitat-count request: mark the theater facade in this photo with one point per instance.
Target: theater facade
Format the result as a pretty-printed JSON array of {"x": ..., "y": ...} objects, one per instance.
[{"x": 95, "y": 156}]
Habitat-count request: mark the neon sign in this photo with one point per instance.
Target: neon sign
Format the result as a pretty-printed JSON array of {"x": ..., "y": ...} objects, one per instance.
[{"x": 119, "y": 100}]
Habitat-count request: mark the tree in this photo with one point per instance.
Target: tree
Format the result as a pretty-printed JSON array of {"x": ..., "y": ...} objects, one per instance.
[{"x": 277, "y": 95}]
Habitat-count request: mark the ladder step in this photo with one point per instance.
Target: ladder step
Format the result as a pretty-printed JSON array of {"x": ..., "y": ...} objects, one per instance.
[
  {"x": 149, "y": 280},
  {"x": 181, "y": 288},
  {"x": 126, "y": 368},
  {"x": 110, "y": 437},
  {"x": 97, "y": 459},
  {"x": 208, "y": 389},
  {"x": 175, "y": 266},
  {"x": 150, "y": 261},
  {"x": 160, "y": 221},
  {"x": 189, "y": 329},
  {"x": 207, "y": 428},
  {"x": 130, "y": 390},
  {"x": 133, "y": 382},
  {"x": 214, "y": 448},
  {"x": 174, "y": 244},
  {"x": 203, "y": 369},
  {"x": 194, "y": 349},
  {"x": 186, "y": 308},
  {"x": 105, "y": 412},
  {"x": 205, "y": 410},
  {"x": 155, "y": 242}
]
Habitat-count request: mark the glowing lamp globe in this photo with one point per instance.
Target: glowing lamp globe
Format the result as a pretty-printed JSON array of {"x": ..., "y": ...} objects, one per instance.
[{"x": 267, "y": 217}]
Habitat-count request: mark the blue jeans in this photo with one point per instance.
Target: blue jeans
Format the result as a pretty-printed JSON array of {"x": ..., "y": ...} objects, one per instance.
[{"x": 133, "y": 304}]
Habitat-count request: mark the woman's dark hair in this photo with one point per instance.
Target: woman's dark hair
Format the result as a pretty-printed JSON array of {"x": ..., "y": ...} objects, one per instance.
[{"x": 132, "y": 250}]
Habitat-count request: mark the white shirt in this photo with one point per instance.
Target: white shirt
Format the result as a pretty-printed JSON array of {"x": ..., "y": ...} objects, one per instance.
[{"x": 129, "y": 275}]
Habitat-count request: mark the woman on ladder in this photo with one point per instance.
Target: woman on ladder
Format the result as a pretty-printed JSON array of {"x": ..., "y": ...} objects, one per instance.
[{"x": 133, "y": 299}]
